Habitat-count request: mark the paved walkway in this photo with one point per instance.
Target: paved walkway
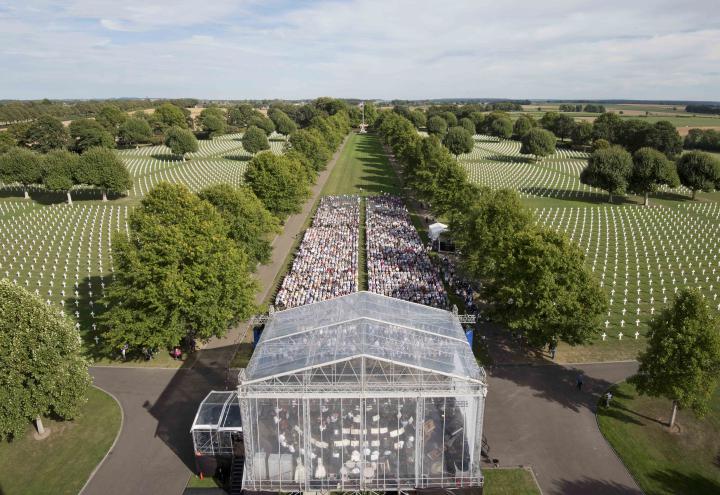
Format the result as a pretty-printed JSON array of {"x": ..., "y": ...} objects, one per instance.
[
  {"x": 535, "y": 416},
  {"x": 154, "y": 453}
]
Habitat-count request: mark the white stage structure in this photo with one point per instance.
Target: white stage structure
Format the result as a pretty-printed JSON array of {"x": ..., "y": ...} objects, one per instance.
[{"x": 362, "y": 392}]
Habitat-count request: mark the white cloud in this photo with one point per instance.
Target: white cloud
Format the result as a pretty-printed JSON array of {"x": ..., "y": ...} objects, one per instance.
[{"x": 373, "y": 48}]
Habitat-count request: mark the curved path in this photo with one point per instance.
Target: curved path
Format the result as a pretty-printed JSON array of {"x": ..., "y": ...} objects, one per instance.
[{"x": 534, "y": 415}]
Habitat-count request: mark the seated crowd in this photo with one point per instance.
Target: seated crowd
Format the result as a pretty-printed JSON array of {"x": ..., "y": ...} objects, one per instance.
[
  {"x": 398, "y": 265},
  {"x": 326, "y": 264}
]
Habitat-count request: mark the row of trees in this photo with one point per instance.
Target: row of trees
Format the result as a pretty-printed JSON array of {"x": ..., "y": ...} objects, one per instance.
[
  {"x": 110, "y": 126},
  {"x": 589, "y": 108},
  {"x": 185, "y": 269},
  {"x": 615, "y": 170},
  {"x": 534, "y": 277},
  {"x": 703, "y": 139},
  {"x": 60, "y": 170},
  {"x": 536, "y": 281},
  {"x": 24, "y": 111}
]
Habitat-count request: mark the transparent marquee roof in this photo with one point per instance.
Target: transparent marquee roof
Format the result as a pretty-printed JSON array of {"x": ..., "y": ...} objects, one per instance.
[{"x": 363, "y": 324}]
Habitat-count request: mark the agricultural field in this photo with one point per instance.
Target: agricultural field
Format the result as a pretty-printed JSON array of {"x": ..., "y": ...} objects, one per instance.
[
  {"x": 63, "y": 253},
  {"x": 641, "y": 256},
  {"x": 650, "y": 113}
]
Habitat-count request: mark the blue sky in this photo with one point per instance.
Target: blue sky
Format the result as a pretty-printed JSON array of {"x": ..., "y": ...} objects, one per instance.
[{"x": 368, "y": 49}]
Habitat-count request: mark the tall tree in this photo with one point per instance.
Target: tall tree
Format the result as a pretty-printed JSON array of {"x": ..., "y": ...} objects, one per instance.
[
  {"x": 484, "y": 233},
  {"x": 468, "y": 124},
  {"x": 278, "y": 181},
  {"x": 240, "y": 115},
  {"x": 134, "y": 131},
  {"x": 563, "y": 126},
  {"x": 60, "y": 171},
  {"x": 43, "y": 371},
  {"x": 47, "y": 133},
  {"x": 459, "y": 140},
  {"x": 502, "y": 128},
  {"x": 522, "y": 126},
  {"x": 310, "y": 143},
  {"x": 450, "y": 118},
  {"x": 7, "y": 141},
  {"x": 21, "y": 166},
  {"x": 212, "y": 121},
  {"x": 608, "y": 169},
  {"x": 250, "y": 223},
  {"x": 170, "y": 115},
  {"x": 178, "y": 274},
  {"x": 371, "y": 112},
  {"x": 111, "y": 118},
  {"x": 419, "y": 119},
  {"x": 101, "y": 167},
  {"x": 181, "y": 141},
  {"x": 607, "y": 126},
  {"x": 651, "y": 169},
  {"x": 283, "y": 124},
  {"x": 543, "y": 288},
  {"x": 255, "y": 140},
  {"x": 262, "y": 122},
  {"x": 86, "y": 133},
  {"x": 682, "y": 359},
  {"x": 437, "y": 126},
  {"x": 699, "y": 171},
  {"x": 538, "y": 142},
  {"x": 665, "y": 138},
  {"x": 581, "y": 134}
]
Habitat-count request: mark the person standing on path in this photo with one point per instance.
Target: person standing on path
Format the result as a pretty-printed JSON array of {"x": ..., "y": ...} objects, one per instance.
[{"x": 579, "y": 382}]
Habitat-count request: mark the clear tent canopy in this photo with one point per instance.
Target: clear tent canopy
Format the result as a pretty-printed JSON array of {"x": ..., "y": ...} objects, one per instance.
[
  {"x": 215, "y": 423},
  {"x": 362, "y": 392},
  {"x": 363, "y": 323}
]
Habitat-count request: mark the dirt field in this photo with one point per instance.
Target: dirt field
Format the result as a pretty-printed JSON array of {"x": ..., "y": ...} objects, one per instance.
[{"x": 684, "y": 130}]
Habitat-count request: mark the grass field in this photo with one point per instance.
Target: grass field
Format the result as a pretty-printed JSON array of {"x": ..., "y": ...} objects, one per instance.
[
  {"x": 663, "y": 462},
  {"x": 61, "y": 463},
  {"x": 515, "y": 481},
  {"x": 362, "y": 169},
  {"x": 641, "y": 256},
  {"x": 63, "y": 253}
]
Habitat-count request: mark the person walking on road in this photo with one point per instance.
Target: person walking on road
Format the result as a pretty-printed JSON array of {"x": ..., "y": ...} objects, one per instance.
[{"x": 579, "y": 382}]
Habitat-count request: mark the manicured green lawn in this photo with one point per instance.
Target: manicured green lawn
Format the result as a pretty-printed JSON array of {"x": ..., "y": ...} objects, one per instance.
[
  {"x": 196, "y": 482},
  {"x": 362, "y": 169},
  {"x": 680, "y": 462},
  {"x": 62, "y": 462},
  {"x": 509, "y": 482}
]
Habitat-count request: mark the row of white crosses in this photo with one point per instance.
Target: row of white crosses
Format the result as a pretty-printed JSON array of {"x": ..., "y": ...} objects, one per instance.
[
  {"x": 655, "y": 250},
  {"x": 196, "y": 174},
  {"x": 509, "y": 147},
  {"x": 498, "y": 164},
  {"x": 530, "y": 179},
  {"x": 207, "y": 148},
  {"x": 53, "y": 251},
  {"x": 11, "y": 207}
]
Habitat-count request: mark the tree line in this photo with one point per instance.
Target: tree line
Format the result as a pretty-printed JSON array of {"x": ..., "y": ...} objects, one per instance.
[
  {"x": 162, "y": 296},
  {"x": 534, "y": 278},
  {"x": 713, "y": 109},
  {"x": 578, "y": 107},
  {"x": 184, "y": 272},
  {"x": 23, "y": 111},
  {"x": 702, "y": 139},
  {"x": 627, "y": 155},
  {"x": 60, "y": 170}
]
